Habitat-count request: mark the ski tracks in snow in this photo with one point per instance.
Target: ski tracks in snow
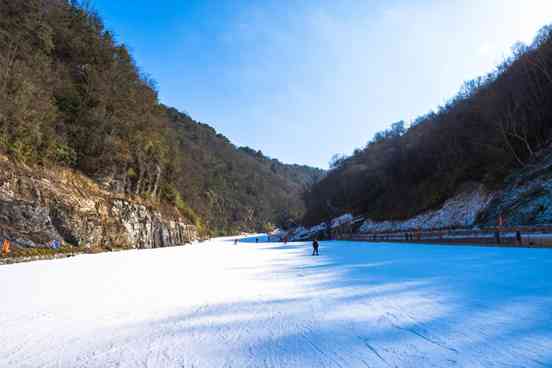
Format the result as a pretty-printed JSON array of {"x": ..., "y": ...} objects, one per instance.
[{"x": 268, "y": 306}]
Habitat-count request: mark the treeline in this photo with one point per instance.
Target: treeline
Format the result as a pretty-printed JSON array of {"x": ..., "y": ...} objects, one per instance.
[
  {"x": 495, "y": 124},
  {"x": 71, "y": 95}
]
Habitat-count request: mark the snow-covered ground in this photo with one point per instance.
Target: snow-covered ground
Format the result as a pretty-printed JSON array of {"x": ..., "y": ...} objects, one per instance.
[{"x": 218, "y": 304}]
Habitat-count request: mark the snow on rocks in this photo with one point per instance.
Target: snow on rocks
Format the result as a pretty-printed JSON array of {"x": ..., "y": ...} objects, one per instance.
[
  {"x": 302, "y": 233},
  {"x": 277, "y": 234},
  {"x": 341, "y": 220},
  {"x": 460, "y": 211}
]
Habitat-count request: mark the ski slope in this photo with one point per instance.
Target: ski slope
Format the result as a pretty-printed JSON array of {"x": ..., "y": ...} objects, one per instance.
[{"x": 218, "y": 304}]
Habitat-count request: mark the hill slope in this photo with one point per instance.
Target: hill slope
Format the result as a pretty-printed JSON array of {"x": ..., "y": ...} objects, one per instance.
[
  {"x": 234, "y": 188},
  {"x": 495, "y": 125},
  {"x": 72, "y": 96}
]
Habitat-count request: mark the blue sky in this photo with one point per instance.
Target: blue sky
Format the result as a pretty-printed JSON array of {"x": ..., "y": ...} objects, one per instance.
[{"x": 303, "y": 80}]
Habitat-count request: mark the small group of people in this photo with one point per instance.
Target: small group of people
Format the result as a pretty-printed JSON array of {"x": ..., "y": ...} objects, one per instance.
[
  {"x": 7, "y": 247},
  {"x": 411, "y": 236}
]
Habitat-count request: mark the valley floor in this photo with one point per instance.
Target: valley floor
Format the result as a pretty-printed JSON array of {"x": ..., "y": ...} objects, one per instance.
[{"x": 217, "y": 304}]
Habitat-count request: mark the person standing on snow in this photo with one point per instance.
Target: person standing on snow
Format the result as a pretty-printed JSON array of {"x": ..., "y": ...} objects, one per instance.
[
  {"x": 5, "y": 247},
  {"x": 315, "y": 246}
]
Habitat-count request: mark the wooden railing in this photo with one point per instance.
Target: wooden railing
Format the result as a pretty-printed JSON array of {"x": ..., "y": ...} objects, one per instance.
[{"x": 516, "y": 235}]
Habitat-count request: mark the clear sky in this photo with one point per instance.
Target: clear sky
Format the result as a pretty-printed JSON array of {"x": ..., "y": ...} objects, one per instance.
[{"x": 302, "y": 80}]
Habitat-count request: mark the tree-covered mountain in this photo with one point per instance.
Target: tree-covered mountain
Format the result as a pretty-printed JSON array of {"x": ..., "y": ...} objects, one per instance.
[
  {"x": 71, "y": 95},
  {"x": 494, "y": 125},
  {"x": 234, "y": 188}
]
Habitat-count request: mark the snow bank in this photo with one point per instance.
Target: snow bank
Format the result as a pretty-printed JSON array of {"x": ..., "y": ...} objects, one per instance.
[
  {"x": 277, "y": 234},
  {"x": 341, "y": 220},
  {"x": 459, "y": 211},
  {"x": 302, "y": 233}
]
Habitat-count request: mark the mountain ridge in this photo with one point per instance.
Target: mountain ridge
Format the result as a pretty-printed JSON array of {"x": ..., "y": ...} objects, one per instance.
[
  {"x": 71, "y": 96},
  {"x": 495, "y": 125}
]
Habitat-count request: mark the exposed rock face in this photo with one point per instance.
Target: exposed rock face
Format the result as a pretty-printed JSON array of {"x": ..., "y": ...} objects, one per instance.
[
  {"x": 526, "y": 198},
  {"x": 39, "y": 205}
]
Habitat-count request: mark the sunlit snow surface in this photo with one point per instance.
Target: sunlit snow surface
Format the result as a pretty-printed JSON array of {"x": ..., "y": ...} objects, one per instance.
[{"x": 218, "y": 304}]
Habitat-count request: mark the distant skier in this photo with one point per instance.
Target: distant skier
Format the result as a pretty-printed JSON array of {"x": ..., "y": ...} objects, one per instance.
[
  {"x": 235, "y": 241},
  {"x": 256, "y": 240},
  {"x": 315, "y": 246}
]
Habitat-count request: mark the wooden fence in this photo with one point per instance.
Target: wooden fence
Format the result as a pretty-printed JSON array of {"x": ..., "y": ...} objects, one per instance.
[{"x": 520, "y": 236}]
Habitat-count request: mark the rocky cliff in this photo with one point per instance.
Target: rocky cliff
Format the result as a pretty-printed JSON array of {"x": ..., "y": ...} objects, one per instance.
[
  {"x": 527, "y": 196},
  {"x": 38, "y": 205}
]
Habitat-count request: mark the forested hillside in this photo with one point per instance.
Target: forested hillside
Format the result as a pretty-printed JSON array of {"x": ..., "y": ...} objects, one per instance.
[
  {"x": 71, "y": 95},
  {"x": 496, "y": 123},
  {"x": 234, "y": 188}
]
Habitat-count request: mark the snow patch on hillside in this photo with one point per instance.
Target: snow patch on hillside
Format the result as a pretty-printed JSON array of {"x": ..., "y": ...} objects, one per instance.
[
  {"x": 341, "y": 220},
  {"x": 302, "y": 233},
  {"x": 460, "y": 211}
]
